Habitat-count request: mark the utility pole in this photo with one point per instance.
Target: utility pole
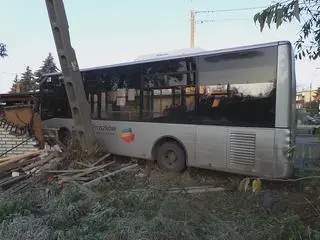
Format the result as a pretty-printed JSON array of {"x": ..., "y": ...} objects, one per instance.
[
  {"x": 71, "y": 75},
  {"x": 192, "y": 28},
  {"x": 310, "y": 93},
  {"x": 193, "y": 20}
]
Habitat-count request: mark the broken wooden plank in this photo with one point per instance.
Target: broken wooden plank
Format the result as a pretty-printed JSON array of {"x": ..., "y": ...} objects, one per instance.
[
  {"x": 84, "y": 179},
  {"x": 17, "y": 165},
  {"x": 90, "y": 170},
  {"x": 20, "y": 156},
  {"x": 66, "y": 171},
  {"x": 5, "y": 179},
  {"x": 79, "y": 179},
  {"x": 19, "y": 187},
  {"x": 17, "y": 158},
  {"x": 201, "y": 189},
  {"x": 83, "y": 164},
  {"x": 101, "y": 159},
  {"x": 13, "y": 180},
  {"x": 71, "y": 171},
  {"x": 54, "y": 163},
  {"x": 97, "y": 180},
  {"x": 36, "y": 164},
  {"x": 194, "y": 189}
]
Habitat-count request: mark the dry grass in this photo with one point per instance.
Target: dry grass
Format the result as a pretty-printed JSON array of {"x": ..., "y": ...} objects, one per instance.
[{"x": 111, "y": 212}]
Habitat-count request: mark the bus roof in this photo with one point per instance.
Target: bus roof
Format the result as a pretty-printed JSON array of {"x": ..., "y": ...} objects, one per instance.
[{"x": 171, "y": 57}]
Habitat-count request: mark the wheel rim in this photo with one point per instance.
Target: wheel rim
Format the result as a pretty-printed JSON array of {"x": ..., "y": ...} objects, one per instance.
[{"x": 170, "y": 157}]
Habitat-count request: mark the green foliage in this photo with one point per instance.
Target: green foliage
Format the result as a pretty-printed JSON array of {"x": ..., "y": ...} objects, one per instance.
[
  {"x": 48, "y": 66},
  {"x": 14, "y": 206},
  {"x": 306, "y": 11},
  {"x": 27, "y": 80},
  {"x": 15, "y": 84},
  {"x": 3, "y": 50},
  {"x": 21, "y": 205},
  {"x": 67, "y": 209},
  {"x": 24, "y": 227}
]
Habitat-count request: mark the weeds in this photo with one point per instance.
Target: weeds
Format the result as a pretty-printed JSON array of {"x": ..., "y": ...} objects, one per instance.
[
  {"x": 74, "y": 215},
  {"x": 24, "y": 227}
]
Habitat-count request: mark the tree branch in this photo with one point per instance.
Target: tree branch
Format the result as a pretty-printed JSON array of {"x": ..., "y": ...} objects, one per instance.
[
  {"x": 308, "y": 10},
  {"x": 3, "y": 50}
]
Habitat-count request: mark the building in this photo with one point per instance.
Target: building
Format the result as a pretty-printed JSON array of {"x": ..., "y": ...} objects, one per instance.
[
  {"x": 304, "y": 98},
  {"x": 13, "y": 99}
]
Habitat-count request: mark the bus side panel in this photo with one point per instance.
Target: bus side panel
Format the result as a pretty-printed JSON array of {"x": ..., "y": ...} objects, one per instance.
[
  {"x": 251, "y": 151},
  {"x": 211, "y": 148},
  {"x": 137, "y": 139},
  {"x": 283, "y": 167},
  {"x": 285, "y": 121}
]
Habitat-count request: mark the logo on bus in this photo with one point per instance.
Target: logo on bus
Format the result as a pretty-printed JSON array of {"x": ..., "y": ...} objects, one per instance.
[
  {"x": 107, "y": 129},
  {"x": 127, "y": 135}
]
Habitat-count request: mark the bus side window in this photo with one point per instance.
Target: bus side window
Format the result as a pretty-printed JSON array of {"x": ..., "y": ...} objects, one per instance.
[{"x": 247, "y": 78}]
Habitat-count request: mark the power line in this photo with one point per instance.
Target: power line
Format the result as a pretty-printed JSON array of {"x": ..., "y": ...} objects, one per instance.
[
  {"x": 9, "y": 73},
  {"x": 194, "y": 21},
  {"x": 230, "y": 10},
  {"x": 222, "y": 20}
]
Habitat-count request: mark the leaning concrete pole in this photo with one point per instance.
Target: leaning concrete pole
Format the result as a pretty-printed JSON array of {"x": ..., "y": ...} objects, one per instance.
[{"x": 71, "y": 75}]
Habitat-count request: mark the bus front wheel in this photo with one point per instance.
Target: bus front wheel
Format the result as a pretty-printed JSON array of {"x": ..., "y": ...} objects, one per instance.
[{"x": 171, "y": 157}]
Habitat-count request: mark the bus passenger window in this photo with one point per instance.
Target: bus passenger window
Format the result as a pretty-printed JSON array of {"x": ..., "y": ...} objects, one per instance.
[
  {"x": 238, "y": 88},
  {"x": 169, "y": 91}
]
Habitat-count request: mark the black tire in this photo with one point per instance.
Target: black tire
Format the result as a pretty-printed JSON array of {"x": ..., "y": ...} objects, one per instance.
[
  {"x": 64, "y": 136},
  {"x": 171, "y": 157}
]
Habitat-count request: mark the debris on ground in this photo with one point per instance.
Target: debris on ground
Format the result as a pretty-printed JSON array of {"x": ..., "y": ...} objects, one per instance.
[
  {"x": 193, "y": 189},
  {"x": 51, "y": 163}
]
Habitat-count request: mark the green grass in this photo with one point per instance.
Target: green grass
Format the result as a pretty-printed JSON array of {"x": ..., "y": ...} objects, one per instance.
[{"x": 75, "y": 214}]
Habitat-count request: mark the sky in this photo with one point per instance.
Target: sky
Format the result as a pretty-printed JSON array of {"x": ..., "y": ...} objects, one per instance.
[{"x": 106, "y": 32}]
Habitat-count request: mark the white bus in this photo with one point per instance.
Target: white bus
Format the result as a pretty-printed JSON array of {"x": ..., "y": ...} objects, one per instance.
[{"x": 229, "y": 110}]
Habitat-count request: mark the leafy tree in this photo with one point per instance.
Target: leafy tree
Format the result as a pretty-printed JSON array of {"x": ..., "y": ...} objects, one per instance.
[
  {"x": 15, "y": 84},
  {"x": 3, "y": 50},
  {"x": 27, "y": 80},
  {"x": 30, "y": 81},
  {"x": 306, "y": 11},
  {"x": 48, "y": 66}
]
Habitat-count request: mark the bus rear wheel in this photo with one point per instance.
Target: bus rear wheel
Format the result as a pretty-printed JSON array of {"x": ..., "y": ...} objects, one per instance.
[{"x": 171, "y": 157}]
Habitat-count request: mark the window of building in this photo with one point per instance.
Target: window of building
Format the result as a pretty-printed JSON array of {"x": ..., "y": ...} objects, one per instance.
[{"x": 238, "y": 89}]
